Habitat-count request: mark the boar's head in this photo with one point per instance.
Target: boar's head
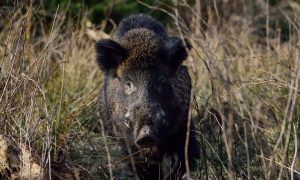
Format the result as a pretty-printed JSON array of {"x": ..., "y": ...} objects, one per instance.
[{"x": 141, "y": 71}]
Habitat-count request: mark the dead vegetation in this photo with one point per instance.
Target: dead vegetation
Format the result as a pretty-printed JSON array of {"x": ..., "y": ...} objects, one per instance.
[{"x": 245, "y": 70}]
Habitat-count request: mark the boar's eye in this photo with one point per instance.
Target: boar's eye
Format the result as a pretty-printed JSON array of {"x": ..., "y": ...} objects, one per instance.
[{"x": 129, "y": 87}]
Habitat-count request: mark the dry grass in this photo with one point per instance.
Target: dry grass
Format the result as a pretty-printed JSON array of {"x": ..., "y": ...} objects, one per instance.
[{"x": 246, "y": 90}]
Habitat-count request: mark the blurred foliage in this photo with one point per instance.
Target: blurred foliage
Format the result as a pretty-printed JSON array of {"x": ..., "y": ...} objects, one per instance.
[
  {"x": 112, "y": 11},
  {"x": 107, "y": 9},
  {"x": 108, "y": 13}
]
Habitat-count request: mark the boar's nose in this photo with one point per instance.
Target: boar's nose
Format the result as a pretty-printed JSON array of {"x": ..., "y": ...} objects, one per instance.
[{"x": 146, "y": 138}]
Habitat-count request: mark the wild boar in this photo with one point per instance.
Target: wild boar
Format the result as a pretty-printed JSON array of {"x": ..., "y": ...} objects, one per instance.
[{"x": 146, "y": 95}]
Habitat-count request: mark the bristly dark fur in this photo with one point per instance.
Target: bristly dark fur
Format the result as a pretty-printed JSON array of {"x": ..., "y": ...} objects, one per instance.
[
  {"x": 177, "y": 52},
  {"x": 140, "y": 21},
  {"x": 109, "y": 54},
  {"x": 143, "y": 58}
]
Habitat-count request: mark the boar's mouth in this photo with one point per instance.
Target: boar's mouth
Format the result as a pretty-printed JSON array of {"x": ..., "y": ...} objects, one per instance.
[
  {"x": 146, "y": 141},
  {"x": 146, "y": 138}
]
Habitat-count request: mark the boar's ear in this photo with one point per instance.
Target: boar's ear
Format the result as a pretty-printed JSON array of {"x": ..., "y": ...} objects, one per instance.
[
  {"x": 109, "y": 54},
  {"x": 177, "y": 52}
]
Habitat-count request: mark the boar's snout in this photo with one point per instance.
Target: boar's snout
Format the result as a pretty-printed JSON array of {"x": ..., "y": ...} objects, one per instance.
[{"x": 146, "y": 138}]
